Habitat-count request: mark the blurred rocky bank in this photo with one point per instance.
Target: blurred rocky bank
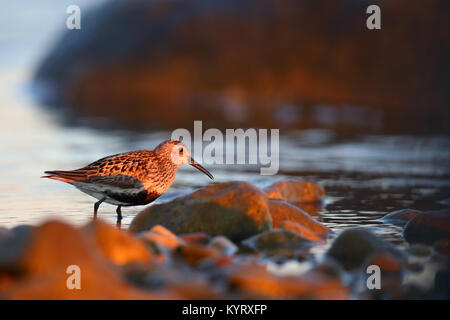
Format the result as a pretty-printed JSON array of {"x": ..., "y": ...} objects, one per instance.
[
  {"x": 286, "y": 64},
  {"x": 227, "y": 241}
]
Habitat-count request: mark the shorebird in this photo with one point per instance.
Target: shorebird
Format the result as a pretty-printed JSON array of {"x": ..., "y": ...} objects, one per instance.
[{"x": 130, "y": 178}]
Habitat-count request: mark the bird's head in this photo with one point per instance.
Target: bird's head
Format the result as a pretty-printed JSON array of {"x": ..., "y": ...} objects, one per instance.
[{"x": 177, "y": 152}]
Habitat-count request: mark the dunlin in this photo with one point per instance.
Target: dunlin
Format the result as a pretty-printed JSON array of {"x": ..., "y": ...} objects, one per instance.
[{"x": 130, "y": 178}]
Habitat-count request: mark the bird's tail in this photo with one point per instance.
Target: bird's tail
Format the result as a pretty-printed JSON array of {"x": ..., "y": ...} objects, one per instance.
[{"x": 65, "y": 176}]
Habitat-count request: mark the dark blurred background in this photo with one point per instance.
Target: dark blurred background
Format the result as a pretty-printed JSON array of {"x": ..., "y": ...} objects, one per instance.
[{"x": 255, "y": 63}]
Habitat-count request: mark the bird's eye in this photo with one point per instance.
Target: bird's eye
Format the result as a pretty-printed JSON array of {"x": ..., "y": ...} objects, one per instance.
[{"x": 181, "y": 150}]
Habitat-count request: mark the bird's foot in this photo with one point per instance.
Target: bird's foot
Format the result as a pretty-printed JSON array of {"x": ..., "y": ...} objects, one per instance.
[
  {"x": 119, "y": 217},
  {"x": 119, "y": 223}
]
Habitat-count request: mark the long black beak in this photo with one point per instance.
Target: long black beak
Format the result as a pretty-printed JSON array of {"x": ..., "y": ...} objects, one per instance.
[{"x": 195, "y": 164}]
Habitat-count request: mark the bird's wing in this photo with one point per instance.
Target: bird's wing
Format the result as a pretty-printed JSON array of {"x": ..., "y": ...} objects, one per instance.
[
  {"x": 131, "y": 164},
  {"x": 117, "y": 181}
]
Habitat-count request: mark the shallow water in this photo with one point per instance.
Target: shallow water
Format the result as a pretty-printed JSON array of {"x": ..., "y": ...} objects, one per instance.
[{"x": 365, "y": 176}]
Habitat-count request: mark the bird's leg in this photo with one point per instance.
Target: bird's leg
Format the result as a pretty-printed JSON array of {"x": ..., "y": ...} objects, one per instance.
[
  {"x": 119, "y": 216},
  {"x": 96, "y": 205}
]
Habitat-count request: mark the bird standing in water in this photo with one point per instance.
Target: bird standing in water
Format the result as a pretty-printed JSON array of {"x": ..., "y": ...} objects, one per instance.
[{"x": 130, "y": 178}]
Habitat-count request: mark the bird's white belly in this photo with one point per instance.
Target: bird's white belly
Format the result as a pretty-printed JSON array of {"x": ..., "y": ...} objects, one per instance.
[{"x": 99, "y": 192}]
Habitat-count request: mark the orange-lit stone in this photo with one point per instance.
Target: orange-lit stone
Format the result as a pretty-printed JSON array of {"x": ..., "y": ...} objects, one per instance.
[
  {"x": 236, "y": 210},
  {"x": 256, "y": 282},
  {"x": 295, "y": 191},
  {"x": 301, "y": 230},
  {"x": 284, "y": 211},
  {"x": 161, "y": 236},
  {"x": 119, "y": 247},
  {"x": 50, "y": 250},
  {"x": 194, "y": 253},
  {"x": 196, "y": 237}
]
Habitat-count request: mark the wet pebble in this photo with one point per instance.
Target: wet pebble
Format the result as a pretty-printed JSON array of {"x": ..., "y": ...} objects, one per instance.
[
  {"x": 282, "y": 211},
  {"x": 301, "y": 230},
  {"x": 196, "y": 237},
  {"x": 353, "y": 246},
  {"x": 442, "y": 247},
  {"x": 223, "y": 245},
  {"x": 193, "y": 254},
  {"x": 428, "y": 227},
  {"x": 119, "y": 247},
  {"x": 296, "y": 191},
  {"x": 43, "y": 261},
  {"x": 161, "y": 237},
  {"x": 256, "y": 282},
  {"x": 277, "y": 239},
  {"x": 400, "y": 217},
  {"x": 420, "y": 250}
]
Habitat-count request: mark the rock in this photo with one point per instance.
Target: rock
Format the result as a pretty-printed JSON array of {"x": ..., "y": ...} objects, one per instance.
[
  {"x": 329, "y": 267},
  {"x": 236, "y": 210},
  {"x": 415, "y": 266},
  {"x": 420, "y": 250},
  {"x": 353, "y": 246},
  {"x": 223, "y": 245},
  {"x": 194, "y": 290},
  {"x": 404, "y": 291},
  {"x": 276, "y": 239},
  {"x": 442, "y": 284},
  {"x": 12, "y": 245},
  {"x": 255, "y": 282},
  {"x": 301, "y": 230},
  {"x": 390, "y": 276},
  {"x": 428, "y": 227},
  {"x": 387, "y": 262},
  {"x": 4, "y": 232},
  {"x": 183, "y": 282},
  {"x": 442, "y": 247},
  {"x": 193, "y": 254},
  {"x": 284, "y": 211},
  {"x": 196, "y": 237},
  {"x": 313, "y": 208},
  {"x": 50, "y": 249},
  {"x": 119, "y": 247},
  {"x": 400, "y": 217},
  {"x": 295, "y": 191},
  {"x": 161, "y": 237}
]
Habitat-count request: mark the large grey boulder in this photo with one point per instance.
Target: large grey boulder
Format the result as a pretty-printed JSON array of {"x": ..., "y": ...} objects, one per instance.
[{"x": 236, "y": 210}]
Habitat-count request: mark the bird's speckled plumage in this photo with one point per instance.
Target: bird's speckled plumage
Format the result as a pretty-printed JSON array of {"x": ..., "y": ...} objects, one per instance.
[{"x": 130, "y": 178}]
